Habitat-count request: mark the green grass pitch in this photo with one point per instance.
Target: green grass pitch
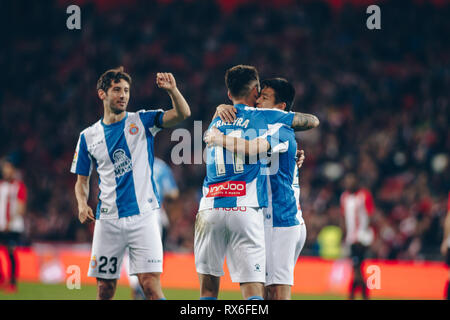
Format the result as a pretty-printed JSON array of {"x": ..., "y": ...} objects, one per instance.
[{"x": 39, "y": 291}]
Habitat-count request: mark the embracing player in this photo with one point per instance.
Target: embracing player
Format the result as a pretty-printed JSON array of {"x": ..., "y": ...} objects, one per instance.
[
  {"x": 120, "y": 147},
  {"x": 285, "y": 230},
  {"x": 230, "y": 219}
]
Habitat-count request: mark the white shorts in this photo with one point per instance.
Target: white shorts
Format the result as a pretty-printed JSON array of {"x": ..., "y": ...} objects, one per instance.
[
  {"x": 238, "y": 234},
  {"x": 283, "y": 247},
  {"x": 138, "y": 233}
]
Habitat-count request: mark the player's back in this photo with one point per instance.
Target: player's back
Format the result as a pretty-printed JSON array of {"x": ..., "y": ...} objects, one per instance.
[{"x": 231, "y": 179}]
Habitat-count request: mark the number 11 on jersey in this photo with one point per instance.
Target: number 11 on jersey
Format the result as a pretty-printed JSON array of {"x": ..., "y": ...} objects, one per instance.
[{"x": 238, "y": 159}]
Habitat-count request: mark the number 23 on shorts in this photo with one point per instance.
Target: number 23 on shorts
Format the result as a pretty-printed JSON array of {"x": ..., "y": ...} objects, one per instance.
[{"x": 104, "y": 263}]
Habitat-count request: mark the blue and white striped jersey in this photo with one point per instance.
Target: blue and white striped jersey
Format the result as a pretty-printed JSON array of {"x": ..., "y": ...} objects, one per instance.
[
  {"x": 284, "y": 189},
  {"x": 122, "y": 154},
  {"x": 165, "y": 182},
  {"x": 230, "y": 180}
]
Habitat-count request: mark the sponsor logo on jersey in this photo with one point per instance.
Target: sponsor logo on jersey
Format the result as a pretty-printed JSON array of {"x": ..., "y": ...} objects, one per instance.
[
  {"x": 235, "y": 209},
  {"x": 227, "y": 189},
  {"x": 134, "y": 129},
  {"x": 122, "y": 164}
]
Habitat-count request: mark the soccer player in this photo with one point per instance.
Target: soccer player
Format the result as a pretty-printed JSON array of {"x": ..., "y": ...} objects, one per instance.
[
  {"x": 230, "y": 220},
  {"x": 285, "y": 231},
  {"x": 357, "y": 206},
  {"x": 120, "y": 147},
  {"x": 13, "y": 199},
  {"x": 445, "y": 246}
]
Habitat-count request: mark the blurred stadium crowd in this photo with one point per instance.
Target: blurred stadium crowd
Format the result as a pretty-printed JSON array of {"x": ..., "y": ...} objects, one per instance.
[{"x": 382, "y": 98}]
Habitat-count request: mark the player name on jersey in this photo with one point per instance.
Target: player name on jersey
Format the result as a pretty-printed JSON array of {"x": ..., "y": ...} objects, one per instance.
[{"x": 238, "y": 122}]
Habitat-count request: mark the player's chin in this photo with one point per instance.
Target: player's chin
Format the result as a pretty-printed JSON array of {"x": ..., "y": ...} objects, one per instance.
[{"x": 119, "y": 108}]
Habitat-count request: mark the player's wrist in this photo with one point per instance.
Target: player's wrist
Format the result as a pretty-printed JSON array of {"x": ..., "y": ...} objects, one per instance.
[
  {"x": 173, "y": 91},
  {"x": 82, "y": 206}
]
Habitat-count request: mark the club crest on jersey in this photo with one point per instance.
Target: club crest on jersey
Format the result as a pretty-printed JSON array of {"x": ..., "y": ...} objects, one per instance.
[
  {"x": 134, "y": 129},
  {"x": 227, "y": 189},
  {"x": 122, "y": 164}
]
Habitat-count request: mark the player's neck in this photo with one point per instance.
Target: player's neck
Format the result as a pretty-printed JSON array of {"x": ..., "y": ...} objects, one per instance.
[
  {"x": 111, "y": 117},
  {"x": 242, "y": 101}
]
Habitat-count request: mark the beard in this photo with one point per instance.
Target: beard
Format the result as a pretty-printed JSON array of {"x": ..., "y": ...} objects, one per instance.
[{"x": 116, "y": 109}]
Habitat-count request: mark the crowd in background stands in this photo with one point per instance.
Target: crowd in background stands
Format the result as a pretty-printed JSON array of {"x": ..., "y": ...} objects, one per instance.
[{"x": 382, "y": 98}]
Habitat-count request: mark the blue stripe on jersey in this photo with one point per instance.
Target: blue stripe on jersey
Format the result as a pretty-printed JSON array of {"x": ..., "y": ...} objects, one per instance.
[
  {"x": 83, "y": 162},
  {"x": 225, "y": 202},
  {"x": 283, "y": 200},
  {"x": 99, "y": 204},
  {"x": 150, "y": 152},
  {"x": 120, "y": 156},
  {"x": 262, "y": 194}
]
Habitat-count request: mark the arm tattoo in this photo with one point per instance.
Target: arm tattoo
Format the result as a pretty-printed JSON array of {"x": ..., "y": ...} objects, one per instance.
[{"x": 304, "y": 121}]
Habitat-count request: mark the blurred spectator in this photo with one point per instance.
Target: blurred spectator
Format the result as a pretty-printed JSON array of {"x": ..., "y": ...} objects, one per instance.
[
  {"x": 357, "y": 208},
  {"x": 329, "y": 240},
  {"x": 13, "y": 201}
]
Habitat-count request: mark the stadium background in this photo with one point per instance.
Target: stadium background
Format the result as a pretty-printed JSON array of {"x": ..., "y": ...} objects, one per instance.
[{"x": 382, "y": 98}]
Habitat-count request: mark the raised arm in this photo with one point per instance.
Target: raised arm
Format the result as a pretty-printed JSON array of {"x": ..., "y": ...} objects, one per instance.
[
  {"x": 304, "y": 121},
  {"x": 82, "y": 194},
  {"x": 180, "y": 110},
  {"x": 236, "y": 145}
]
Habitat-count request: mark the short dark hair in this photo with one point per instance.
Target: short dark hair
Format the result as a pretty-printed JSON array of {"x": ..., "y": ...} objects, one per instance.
[
  {"x": 115, "y": 75},
  {"x": 284, "y": 91},
  {"x": 238, "y": 80}
]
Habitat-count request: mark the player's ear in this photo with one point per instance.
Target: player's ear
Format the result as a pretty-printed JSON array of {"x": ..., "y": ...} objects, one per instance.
[
  {"x": 229, "y": 95},
  {"x": 101, "y": 94},
  {"x": 281, "y": 106}
]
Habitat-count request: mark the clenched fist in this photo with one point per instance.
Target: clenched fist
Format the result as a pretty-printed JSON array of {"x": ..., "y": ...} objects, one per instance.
[{"x": 166, "y": 81}]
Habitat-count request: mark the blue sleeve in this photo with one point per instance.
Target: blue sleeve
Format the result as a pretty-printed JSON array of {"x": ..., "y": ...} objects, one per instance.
[
  {"x": 273, "y": 116},
  {"x": 82, "y": 161},
  {"x": 152, "y": 118}
]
